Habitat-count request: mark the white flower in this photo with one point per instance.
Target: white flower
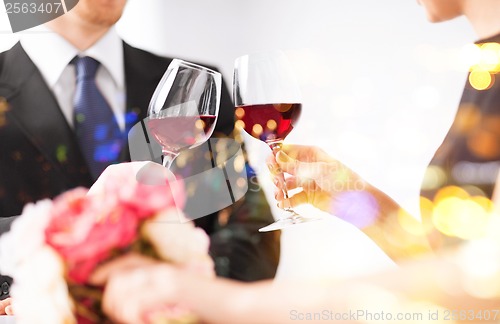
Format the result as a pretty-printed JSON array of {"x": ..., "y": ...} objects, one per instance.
[
  {"x": 177, "y": 240},
  {"x": 25, "y": 238},
  {"x": 40, "y": 293}
]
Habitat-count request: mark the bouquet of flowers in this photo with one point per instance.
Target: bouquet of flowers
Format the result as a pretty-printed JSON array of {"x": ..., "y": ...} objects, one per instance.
[{"x": 54, "y": 246}]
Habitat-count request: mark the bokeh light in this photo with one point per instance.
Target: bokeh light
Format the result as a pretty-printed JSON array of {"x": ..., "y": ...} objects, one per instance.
[
  {"x": 476, "y": 173},
  {"x": 239, "y": 163},
  {"x": 239, "y": 112},
  {"x": 271, "y": 124},
  {"x": 62, "y": 153},
  {"x": 4, "y": 107},
  {"x": 434, "y": 177},
  {"x": 484, "y": 63},
  {"x": 457, "y": 214},
  {"x": 359, "y": 208},
  {"x": 490, "y": 57},
  {"x": 450, "y": 191},
  {"x": 240, "y": 124},
  {"x": 468, "y": 117},
  {"x": 480, "y": 79},
  {"x": 460, "y": 218},
  {"x": 413, "y": 226},
  {"x": 470, "y": 55},
  {"x": 257, "y": 130},
  {"x": 485, "y": 141}
]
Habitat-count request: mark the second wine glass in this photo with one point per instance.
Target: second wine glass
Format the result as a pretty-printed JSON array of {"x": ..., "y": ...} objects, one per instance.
[
  {"x": 183, "y": 110},
  {"x": 268, "y": 105}
]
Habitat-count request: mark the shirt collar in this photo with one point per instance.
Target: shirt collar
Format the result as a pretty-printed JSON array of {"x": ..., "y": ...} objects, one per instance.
[
  {"x": 40, "y": 45},
  {"x": 109, "y": 52}
]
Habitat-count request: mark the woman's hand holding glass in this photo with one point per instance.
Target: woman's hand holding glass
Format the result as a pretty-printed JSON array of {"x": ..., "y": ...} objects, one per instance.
[
  {"x": 320, "y": 177},
  {"x": 268, "y": 105}
]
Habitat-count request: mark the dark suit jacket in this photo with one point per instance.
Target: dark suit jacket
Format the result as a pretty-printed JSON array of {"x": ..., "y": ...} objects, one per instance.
[{"x": 40, "y": 158}]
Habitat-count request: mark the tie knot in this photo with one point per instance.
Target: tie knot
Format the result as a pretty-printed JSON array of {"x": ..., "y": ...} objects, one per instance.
[{"x": 86, "y": 67}]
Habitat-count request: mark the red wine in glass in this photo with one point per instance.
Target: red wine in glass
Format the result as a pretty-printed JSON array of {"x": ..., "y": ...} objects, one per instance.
[
  {"x": 182, "y": 112},
  {"x": 177, "y": 133},
  {"x": 268, "y": 105},
  {"x": 269, "y": 123}
]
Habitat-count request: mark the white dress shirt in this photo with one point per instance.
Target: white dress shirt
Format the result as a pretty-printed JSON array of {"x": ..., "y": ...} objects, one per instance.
[{"x": 52, "y": 54}]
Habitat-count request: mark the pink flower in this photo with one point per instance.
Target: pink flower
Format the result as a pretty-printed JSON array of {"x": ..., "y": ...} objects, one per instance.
[
  {"x": 85, "y": 230},
  {"x": 146, "y": 187},
  {"x": 70, "y": 236}
]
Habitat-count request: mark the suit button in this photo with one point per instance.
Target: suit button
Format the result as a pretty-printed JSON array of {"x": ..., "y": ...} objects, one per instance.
[{"x": 5, "y": 288}]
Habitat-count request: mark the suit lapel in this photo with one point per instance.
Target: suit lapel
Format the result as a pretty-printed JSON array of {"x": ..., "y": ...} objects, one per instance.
[
  {"x": 143, "y": 72},
  {"x": 33, "y": 107}
]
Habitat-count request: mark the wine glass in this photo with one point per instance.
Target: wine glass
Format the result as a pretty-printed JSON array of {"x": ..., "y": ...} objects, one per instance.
[
  {"x": 268, "y": 105},
  {"x": 183, "y": 110}
]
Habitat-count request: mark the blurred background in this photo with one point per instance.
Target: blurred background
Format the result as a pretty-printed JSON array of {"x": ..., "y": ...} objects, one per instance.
[{"x": 380, "y": 86}]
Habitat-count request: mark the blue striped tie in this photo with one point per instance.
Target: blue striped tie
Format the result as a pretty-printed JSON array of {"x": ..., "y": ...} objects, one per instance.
[{"x": 96, "y": 127}]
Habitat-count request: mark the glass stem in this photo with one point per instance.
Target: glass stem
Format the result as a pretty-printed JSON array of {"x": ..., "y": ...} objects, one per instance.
[
  {"x": 276, "y": 147},
  {"x": 168, "y": 158}
]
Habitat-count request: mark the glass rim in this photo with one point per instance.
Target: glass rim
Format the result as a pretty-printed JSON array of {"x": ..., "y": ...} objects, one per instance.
[{"x": 195, "y": 66}]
